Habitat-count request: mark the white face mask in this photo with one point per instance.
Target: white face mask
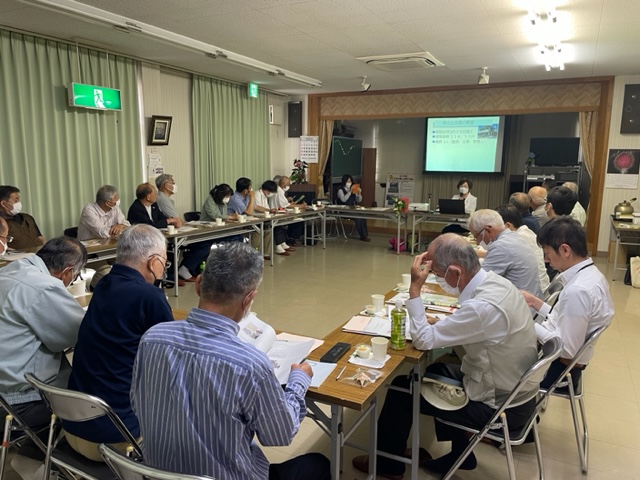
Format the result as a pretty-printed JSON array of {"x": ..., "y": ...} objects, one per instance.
[
  {"x": 286, "y": 189},
  {"x": 174, "y": 188},
  {"x": 225, "y": 200},
  {"x": 270, "y": 195},
  {"x": 464, "y": 190},
  {"x": 17, "y": 208},
  {"x": 446, "y": 287},
  {"x": 348, "y": 184}
]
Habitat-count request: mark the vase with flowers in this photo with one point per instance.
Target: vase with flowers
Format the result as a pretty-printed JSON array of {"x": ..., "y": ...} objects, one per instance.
[{"x": 299, "y": 172}]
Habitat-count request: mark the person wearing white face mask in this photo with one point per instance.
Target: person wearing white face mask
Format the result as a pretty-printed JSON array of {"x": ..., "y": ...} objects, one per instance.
[
  {"x": 350, "y": 194},
  {"x": 494, "y": 326},
  {"x": 102, "y": 218},
  {"x": 22, "y": 226},
  {"x": 166, "y": 189},
  {"x": 464, "y": 187},
  {"x": 506, "y": 254},
  {"x": 280, "y": 201},
  {"x": 215, "y": 206},
  {"x": 266, "y": 193}
]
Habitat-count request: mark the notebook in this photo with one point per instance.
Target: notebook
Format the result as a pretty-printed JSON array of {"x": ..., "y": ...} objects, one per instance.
[{"x": 455, "y": 207}]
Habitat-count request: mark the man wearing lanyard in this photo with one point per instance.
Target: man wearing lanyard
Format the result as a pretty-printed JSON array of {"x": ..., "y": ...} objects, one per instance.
[{"x": 584, "y": 303}]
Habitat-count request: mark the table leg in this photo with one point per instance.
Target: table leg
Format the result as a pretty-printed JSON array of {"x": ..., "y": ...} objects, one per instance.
[
  {"x": 373, "y": 440},
  {"x": 324, "y": 230},
  {"x": 398, "y": 235},
  {"x": 415, "y": 431},
  {"x": 615, "y": 257},
  {"x": 337, "y": 413}
]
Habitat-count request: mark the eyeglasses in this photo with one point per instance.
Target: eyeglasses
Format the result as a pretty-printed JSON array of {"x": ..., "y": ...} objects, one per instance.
[
  {"x": 8, "y": 238},
  {"x": 479, "y": 233},
  {"x": 166, "y": 263}
]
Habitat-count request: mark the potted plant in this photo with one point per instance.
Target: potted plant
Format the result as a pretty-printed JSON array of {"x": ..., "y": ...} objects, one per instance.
[{"x": 299, "y": 172}]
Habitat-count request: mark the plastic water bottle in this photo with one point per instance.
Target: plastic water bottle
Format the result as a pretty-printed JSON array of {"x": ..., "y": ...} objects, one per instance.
[
  {"x": 398, "y": 327},
  {"x": 202, "y": 266}
]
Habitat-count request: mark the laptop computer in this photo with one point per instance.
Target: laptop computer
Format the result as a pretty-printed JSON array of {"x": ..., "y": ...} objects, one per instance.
[{"x": 455, "y": 207}]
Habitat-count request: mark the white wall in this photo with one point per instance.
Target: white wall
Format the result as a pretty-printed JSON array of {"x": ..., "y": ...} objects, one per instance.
[
  {"x": 612, "y": 196},
  {"x": 168, "y": 92}
]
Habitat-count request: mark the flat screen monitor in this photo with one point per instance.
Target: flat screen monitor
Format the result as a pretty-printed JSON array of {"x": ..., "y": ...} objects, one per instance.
[
  {"x": 555, "y": 151},
  {"x": 464, "y": 144}
]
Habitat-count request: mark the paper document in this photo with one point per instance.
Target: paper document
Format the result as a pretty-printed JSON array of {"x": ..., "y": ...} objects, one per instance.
[
  {"x": 320, "y": 372},
  {"x": 376, "y": 326},
  {"x": 428, "y": 299},
  {"x": 290, "y": 337},
  {"x": 281, "y": 352}
]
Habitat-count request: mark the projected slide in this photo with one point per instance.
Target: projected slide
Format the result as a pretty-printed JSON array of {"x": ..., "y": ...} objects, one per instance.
[{"x": 464, "y": 144}]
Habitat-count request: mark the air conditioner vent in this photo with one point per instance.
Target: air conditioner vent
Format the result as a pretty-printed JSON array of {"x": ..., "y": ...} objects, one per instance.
[{"x": 403, "y": 61}]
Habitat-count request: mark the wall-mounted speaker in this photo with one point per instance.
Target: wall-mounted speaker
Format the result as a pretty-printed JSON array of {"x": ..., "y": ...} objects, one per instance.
[
  {"x": 295, "y": 119},
  {"x": 631, "y": 110}
]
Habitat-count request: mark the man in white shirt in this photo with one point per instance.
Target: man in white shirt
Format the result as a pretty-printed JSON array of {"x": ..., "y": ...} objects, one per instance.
[
  {"x": 102, "y": 219},
  {"x": 513, "y": 221},
  {"x": 578, "y": 212},
  {"x": 505, "y": 255},
  {"x": 493, "y": 325},
  {"x": 265, "y": 193},
  {"x": 281, "y": 200},
  {"x": 584, "y": 304}
]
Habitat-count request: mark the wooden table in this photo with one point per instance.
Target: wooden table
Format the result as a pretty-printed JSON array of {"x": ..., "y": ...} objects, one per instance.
[
  {"x": 626, "y": 233},
  {"x": 419, "y": 216}
]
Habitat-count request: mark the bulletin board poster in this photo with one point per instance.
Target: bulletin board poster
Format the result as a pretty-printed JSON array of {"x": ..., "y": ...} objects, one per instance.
[
  {"x": 623, "y": 167},
  {"x": 154, "y": 166},
  {"x": 399, "y": 185},
  {"x": 309, "y": 149}
]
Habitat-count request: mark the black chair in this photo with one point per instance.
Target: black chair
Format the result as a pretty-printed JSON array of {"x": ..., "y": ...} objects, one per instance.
[
  {"x": 497, "y": 428},
  {"x": 71, "y": 232},
  {"x": 191, "y": 216}
]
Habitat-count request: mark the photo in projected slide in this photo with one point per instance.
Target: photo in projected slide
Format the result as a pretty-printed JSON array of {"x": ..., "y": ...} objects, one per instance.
[{"x": 464, "y": 144}]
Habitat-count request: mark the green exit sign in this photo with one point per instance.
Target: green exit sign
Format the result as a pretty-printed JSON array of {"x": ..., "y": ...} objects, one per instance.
[
  {"x": 253, "y": 90},
  {"x": 94, "y": 96}
]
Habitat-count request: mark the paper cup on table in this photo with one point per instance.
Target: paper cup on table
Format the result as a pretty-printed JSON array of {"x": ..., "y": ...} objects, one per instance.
[
  {"x": 378, "y": 302},
  {"x": 78, "y": 288},
  {"x": 267, "y": 214},
  {"x": 219, "y": 222},
  {"x": 296, "y": 210},
  {"x": 379, "y": 348},
  {"x": 406, "y": 279},
  {"x": 242, "y": 218},
  {"x": 319, "y": 204},
  {"x": 370, "y": 309},
  {"x": 171, "y": 229}
]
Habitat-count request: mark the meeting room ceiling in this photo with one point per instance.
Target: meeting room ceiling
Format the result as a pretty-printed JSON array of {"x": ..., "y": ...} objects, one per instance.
[{"x": 323, "y": 39}]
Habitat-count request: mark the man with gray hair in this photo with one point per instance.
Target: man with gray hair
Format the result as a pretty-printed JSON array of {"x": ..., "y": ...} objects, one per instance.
[
  {"x": 520, "y": 200},
  {"x": 578, "y": 213},
  {"x": 166, "y": 188},
  {"x": 202, "y": 394},
  {"x": 125, "y": 304},
  {"x": 505, "y": 255},
  {"x": 103, "y": 218},
  {"x": 493, "y": 325},
  {"x": 39, "y": 320},
  {"x": 538, "y": 200}
]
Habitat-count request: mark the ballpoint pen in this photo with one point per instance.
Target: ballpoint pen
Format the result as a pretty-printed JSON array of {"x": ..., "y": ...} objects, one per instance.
[{"x": 341, "y": 372}]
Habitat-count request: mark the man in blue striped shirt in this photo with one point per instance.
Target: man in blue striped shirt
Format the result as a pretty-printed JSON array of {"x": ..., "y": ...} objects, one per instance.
[{"x": 201, "y": 394}]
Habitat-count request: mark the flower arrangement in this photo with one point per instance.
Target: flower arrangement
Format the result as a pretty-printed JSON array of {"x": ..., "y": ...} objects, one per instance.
[
  {"x": 531, "y": 159},
  {"x": 299, "y": 172},
  {"x": 400, "y": 205}
]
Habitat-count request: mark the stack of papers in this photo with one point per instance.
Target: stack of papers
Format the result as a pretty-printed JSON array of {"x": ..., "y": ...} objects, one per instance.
[
  {"x": 375, "y": 326},
  {"x": 434, "y": 301}
]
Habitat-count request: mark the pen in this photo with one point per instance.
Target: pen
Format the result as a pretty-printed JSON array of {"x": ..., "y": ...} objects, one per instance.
[{"x": 341, "y": 372}]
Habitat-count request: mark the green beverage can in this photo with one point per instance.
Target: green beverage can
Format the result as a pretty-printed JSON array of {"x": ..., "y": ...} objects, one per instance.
[{"x": 398, "y": 327}]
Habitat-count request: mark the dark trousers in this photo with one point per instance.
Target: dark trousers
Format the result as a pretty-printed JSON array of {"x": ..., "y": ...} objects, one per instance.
[
  {"x": 195, "y": 254},
  {"x": 295, "y": 230},
  {"x": 361, "y": 227},
  {"x": 35, "y": 415},
  {"x": 556, "y": 369},
  {"x": 396, "y": 418},
  {"x": 312, "y": 466}
]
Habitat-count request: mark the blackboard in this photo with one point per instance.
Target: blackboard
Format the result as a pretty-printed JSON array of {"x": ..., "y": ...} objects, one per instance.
[{"x": 346, "y": 157}]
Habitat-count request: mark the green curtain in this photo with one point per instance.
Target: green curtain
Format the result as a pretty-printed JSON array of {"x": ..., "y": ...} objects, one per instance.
[
  {"x": 230, "y": 135},
  {"x": 58, "y": 156}
]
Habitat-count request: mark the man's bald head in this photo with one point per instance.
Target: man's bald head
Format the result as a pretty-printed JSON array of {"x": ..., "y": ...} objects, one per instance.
[
  {"x": 451, "y": 249},
  {"x": 284, "y": 181},
  {"x": 520, "y": 200},
  {"x": 537, "y": 196}
]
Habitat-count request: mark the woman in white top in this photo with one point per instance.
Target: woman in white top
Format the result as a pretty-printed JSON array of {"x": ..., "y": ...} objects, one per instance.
[{"x": 470, "y": 203}]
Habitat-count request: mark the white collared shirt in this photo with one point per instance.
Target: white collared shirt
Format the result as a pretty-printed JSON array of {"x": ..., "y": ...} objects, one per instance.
[
  {"x": 96, "y": 223},
  {"x": 583, "y": 305}
]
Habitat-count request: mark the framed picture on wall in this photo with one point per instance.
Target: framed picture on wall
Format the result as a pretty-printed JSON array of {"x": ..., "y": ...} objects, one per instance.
[{"x": 160, "y": 130}]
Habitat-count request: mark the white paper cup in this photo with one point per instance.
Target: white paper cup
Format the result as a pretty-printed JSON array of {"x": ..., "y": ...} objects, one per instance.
[
  {"x": 319, "y": 204},
  {"x": 370, "y": 309},
  {"x": 363, "y": 350},
  {"x": 78, "y": 288},
  {"x": 296, "y": 210},
  {"x": 218, "y": 221},
  {"x": 379, "y": 348},
  {"x": 171, "y": 229},
  {"x": 242, "y": 218},
  {"x": 406, "y": 279},
  {"x": 267, "y": 214},
  {"x": 378, "y": 301}
]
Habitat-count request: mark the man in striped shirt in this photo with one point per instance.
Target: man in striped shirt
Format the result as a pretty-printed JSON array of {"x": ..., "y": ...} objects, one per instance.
[{"x": 201, "y": 394}]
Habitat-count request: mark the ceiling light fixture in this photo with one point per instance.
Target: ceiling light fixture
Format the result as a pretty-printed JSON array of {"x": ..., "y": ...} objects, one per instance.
[
  {"x": 552, "y": 55},
  {"x": 124, "y": 24},
  {"x": 364, "y": 86},
  {"x": 483, "y": 79},
  {"x": 546, "y": 29}
]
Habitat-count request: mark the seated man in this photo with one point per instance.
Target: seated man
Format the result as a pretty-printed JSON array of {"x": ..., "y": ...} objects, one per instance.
[
  {"x": 39, "y": 320},
  {"x": 22, "y": 226},
  {"x": 584, "y": 303},
  {"x": 578, "y": 213},
  {"x": 144, "y": 209},
  {"x": 125, "y": 304},
  {"x": 201, "y": 394},
  {"x": 505, "y": 255},
  {"x": 537, "y": 202},
  {"x": 560, "y": 201},
  {"x": 520, "y": 200},
  {"x": 243, "y": 199},
  {"x": 196, "y": 253},
  {"x": 278, "y": 235},
  {"x": 513, "y": 221},
  {"x": 281, "y": 200},
  {"x": 497, "y": 333},
  {"x": 103, "y": 218}
]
